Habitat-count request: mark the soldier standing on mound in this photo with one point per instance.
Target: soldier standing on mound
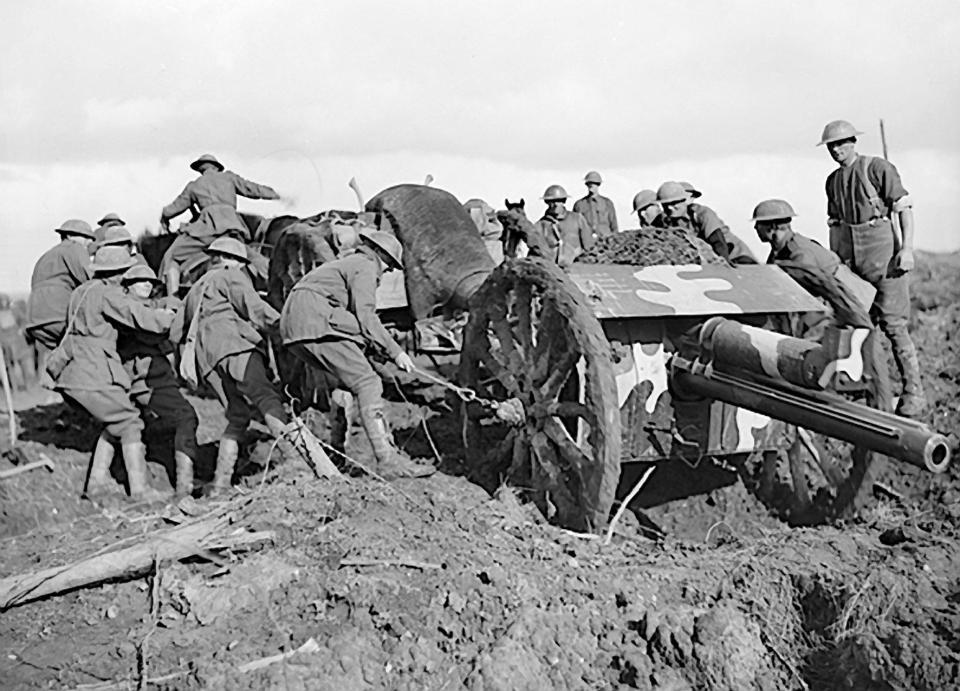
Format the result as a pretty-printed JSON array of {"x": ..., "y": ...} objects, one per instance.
[
  {"x": 598, "y": 210},
  {"x": 863, "y": 194}
]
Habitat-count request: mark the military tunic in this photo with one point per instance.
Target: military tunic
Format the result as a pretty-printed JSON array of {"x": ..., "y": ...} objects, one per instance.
[
  {"x": 802, "y": 250},
  {"x": 213, "y": 196},
  {"x": 58, "y": 271},
  {"x": 330, "y": 315},
  {"x": 230, "y": 349},
  {"x": 563, "y": 239},
  {"x": 600, "y": 214},
  {"x": 93, "y": 375}
]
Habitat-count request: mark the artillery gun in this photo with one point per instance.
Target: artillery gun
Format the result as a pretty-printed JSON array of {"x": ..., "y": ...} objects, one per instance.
[{"x": 574, "y": 374}]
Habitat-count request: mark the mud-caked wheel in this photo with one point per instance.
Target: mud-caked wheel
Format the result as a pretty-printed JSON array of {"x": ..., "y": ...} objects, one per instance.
[
  {"x": 533, "y": 339},
  {"x": 808, "y": 478}
]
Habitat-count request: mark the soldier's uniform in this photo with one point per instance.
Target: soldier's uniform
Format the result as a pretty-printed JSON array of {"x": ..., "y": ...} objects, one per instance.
[
  {"x": 327, "y": 320},
  {"x": 154, "y": 387},
  {"x": 213, "y": 196},
  {"x": 799, "y": 249},
  {"x": 87, "y": 370},
  {"x": 226, "y": 317},
  {"x": 600, "y": 214},
  {"x": 861, "y": 198},
  {"x": 58, "y": 271},
  {"x": 563, "y": 239},
  {"x": 702, "y": 221}
]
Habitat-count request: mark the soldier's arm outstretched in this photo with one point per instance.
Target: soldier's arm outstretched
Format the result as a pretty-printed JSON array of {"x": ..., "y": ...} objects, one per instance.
[{"x": 253, "y": 190}]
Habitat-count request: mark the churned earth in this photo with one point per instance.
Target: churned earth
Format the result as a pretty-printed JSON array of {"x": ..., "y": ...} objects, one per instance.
[{"x": 437, "y": 584}]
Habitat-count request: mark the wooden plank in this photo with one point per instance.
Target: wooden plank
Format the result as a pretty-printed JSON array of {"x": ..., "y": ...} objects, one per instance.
[{"x": 619, "y": 291}]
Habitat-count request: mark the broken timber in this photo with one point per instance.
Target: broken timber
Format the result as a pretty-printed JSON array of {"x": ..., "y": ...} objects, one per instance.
[{"x": 209, "y": 533}]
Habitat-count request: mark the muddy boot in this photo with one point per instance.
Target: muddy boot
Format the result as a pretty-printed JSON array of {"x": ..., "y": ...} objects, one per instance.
[
  {"x": 227, "y": 454},
  {"x": 184, "y": 474},
  {"x": 391, "y": 462},
  {"x": 98, "y": 482},
  {"x": 913, "y": 402},
  {"x": 135, "y": 460}
]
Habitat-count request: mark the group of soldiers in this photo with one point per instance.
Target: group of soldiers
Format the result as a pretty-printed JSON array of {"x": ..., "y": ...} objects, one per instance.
[
  {"x": 109, "y": 341},
  {"x": 870, "y": 221}
]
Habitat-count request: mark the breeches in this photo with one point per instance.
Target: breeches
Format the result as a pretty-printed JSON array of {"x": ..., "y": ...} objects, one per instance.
[
  {"x": 112, "y": 407},
  {"x": 346, "y": 364},
  {"x": 240, "y": 382},
  {"x": 171, "y": 410},
  {"x": 891, "y": 310},
  {"x": 185, "y": 248}
]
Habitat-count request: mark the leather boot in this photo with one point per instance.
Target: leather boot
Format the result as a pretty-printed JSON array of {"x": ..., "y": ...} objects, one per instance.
[
  {"x": 913, "y": 402},
  {"x": 227, "y": 454},
  {"x": 341, "y": 408},
  {"x": 184, "y": 474},
  {"x": 135, "y": 460},
  {"x": 391, "y": 462},
  {"x": 98, "y": 482}
]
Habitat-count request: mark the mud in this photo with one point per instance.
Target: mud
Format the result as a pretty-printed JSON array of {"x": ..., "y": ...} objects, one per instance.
[{"x": 436, "y": 584}]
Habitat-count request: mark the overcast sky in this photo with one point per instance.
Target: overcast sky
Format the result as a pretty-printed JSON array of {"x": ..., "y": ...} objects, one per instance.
[{"x": 104, "y": 103}]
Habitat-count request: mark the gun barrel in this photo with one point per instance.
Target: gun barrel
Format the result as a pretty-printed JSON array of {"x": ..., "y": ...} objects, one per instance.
[{"x": 824, "y": 412}]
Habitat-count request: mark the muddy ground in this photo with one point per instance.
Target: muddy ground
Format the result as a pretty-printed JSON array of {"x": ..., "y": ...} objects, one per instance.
[{"x": 436, "y": 584}]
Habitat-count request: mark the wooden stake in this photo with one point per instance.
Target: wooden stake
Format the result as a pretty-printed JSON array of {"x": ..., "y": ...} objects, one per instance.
[{"x": 9, "y": 398}]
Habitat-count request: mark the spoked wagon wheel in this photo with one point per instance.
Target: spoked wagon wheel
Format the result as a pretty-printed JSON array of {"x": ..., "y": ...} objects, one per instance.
[
  {"x": 533, "y": 338},
  {"x": 810, "y": 478}
]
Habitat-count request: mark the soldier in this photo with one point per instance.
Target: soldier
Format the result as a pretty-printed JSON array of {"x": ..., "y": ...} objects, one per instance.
[
  {"x": 328, "y": 319},
  {"x": 118, "y": 235},
  {"x": 772, "y": 219},
  {"x": 863, "y": 194},
  {"x": 108, "y": 221},
  {"x": 221, "y": 325},
  {"x": 214, "y": 197},
  {"x": 597, "y": 209},
  {"x": 154, "y": 388},
  {"x": 702, "y": 221},
  {"x": 58, "y": 271},
  {"x": 16, "y": 352},
  {"x": 647, "y": 209},
  {"x": 86, "y": 368},
  {"x": 562, "y": 235}
]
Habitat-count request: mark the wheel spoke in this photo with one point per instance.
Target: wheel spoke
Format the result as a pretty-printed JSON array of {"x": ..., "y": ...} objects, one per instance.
[
  {"x": 500, "y": 372},
  {"x": 578, "y": 461},
  {"x": 569, "y": 409},
  {"x": 559, "y": 374},
  {"x": 831, "y": 471},
  {"x": 503, "y": 452},
  {"x": 798, "y": 474},
  {"x": 520, "y": 453}
]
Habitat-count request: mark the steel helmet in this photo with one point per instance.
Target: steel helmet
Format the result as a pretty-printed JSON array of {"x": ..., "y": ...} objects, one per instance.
[
  {"x": 386, "y": 243},
  {"x": 691, "y": 190},
  {"x": 594, "y": 177},
  {"x": 229, "y": 247},
  {"x": 643, "y": 199},
  {"x": 76, "y": 227},
  {"x": 206, "y": 158},
  {"x": 670, "y": 192},
  {"x": 837, "y": 130},
  {"x": 111, "y": 258},
  {"x": 554, "y": 193},
  {"x": 116, "y": 235},
  {"x": 772, "y": 210},
  {"x": 140, "y": 272},
  {"x": 110, "y": 219}
]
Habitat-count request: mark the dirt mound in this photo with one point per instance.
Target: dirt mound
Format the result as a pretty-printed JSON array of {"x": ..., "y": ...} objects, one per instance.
[{"x": 650, "y": 247}]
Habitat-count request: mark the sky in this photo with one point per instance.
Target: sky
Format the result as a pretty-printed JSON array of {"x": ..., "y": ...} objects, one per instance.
[{"x": 103, "y": 104}]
